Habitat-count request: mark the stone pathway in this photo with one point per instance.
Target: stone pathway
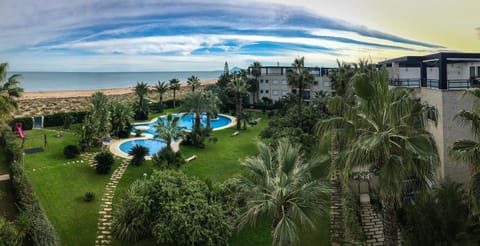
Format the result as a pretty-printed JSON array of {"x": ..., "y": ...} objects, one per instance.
[
  {"x": 104, "y": 225},
  {"x": 371, "y": 223},
  {"x": 4, "y": 177},
  {"x": 336, "y": 211}
]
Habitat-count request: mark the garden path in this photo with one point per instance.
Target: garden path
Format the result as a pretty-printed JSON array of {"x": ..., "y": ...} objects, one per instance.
[{"x": 371, "y": 223}]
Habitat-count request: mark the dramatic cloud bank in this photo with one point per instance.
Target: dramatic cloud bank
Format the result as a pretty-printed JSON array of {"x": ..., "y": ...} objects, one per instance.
[{"x": 96, "y": 35}]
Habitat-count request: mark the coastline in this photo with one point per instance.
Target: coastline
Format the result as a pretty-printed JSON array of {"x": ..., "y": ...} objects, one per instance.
[{"x": 86, "y": 93}]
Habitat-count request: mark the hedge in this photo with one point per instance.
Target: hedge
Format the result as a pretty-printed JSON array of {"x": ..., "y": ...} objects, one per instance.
[
  {"x": 27, "y": 123},
  {"x": 351, "y": 212},
  {"x": 59, "y": 118},
  {"x": 39, "y": 231}
]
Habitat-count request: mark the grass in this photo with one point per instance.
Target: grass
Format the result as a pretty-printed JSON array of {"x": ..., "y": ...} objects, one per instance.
[
  {"x": 7, "y": 200},
  {"x": 60, "y": 187}
]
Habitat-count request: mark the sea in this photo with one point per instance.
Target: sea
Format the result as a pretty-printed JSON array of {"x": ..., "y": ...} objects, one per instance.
[{"x": 59, "y": 81}]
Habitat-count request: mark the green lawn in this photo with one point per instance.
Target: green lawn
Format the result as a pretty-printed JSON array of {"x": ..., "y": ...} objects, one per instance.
[{"x": 60, "y": 186}]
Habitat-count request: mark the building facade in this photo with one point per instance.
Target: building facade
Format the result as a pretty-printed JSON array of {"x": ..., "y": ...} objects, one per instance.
[
  {"x": 273, "y": 82},
  {"x": 440, "y": 80}
]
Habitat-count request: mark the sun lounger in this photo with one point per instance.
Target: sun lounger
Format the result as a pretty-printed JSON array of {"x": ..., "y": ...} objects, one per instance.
[{"x": 191, "y": 158}]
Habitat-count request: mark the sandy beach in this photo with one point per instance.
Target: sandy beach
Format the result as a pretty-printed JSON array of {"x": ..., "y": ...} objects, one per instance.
[
  {"x": 51, "y": 102},
  {"x": 87, "y": 93}
]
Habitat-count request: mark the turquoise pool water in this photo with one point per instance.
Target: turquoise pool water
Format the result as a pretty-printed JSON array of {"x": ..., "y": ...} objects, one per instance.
[
  {"x": 186, "y": 121},
  {"x": 153, "y": 145}
]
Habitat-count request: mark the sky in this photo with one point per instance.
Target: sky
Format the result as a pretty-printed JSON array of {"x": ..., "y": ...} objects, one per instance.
[{"x": 137, "y": 35}]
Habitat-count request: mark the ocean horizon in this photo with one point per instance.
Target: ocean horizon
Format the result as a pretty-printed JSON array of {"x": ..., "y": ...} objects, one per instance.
[{"x": 59, "y": 81}]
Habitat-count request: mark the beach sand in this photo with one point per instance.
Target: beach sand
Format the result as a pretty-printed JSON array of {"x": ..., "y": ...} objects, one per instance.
[{"x": 50, "y": 102}]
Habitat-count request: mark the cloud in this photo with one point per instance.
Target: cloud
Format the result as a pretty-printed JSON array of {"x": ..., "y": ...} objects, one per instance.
[{"x": 172, "y": 30}]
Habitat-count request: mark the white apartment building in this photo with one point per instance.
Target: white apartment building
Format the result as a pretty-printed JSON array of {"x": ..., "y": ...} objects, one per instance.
[
  {"x": 440, "y": 79},
  {"x": 273, "y": 82}
]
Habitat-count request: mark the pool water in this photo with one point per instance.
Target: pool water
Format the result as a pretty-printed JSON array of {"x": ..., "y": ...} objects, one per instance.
[
  {"x": 153, "y": 145},
  {"x": 186, "y": 121}
]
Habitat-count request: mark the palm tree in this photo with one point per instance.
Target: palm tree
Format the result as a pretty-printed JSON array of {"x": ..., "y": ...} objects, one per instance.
[
  {"x": 121, "y": 115},
  {"x": 174, "y": 86},
  {"x": 141, "y": 107},
  {"x": 9, "y": 91},
  {"x": 169, "y": 130},
  {"x": 195, "y": 103},
  {"x": 212, "y": 106},
  {"x": 468, "y": 150},
  {"x": 340, "y": 77},
  {"x": 138, "y": 153},
  {"x": 299, "y": 77},
  {"x": 100, "y": 113},
  {"x": 194, "y": 82},
  {"x": 279, "y": 183},
  {"x": 256, "y": 69},
  {"x": 239, "y": 87},
  {"x": 161, "y": 88},
  {"x": 386, "y": 132}
]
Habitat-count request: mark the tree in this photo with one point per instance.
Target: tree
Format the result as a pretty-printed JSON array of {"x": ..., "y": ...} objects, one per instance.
[
  {"x": 256, "y": 69},
  {"x": 279, "y": 183},
  {"x": 175, "y": 209},
  {"x": 161, "y": 88},
  {"x": 195, "y": 103},
  {"x": 121, "y": 115},
  {"x": 193, "y": 82},
  {"x": 169, "y": 129},
  {"x": 468, "y": 150},
  {"x": 97, "y": 123},
  {"x": 299, "y": 77},
  {"x": 141, "y": 106},
  {"x": 212, "y": 105},
  {"x": 239, "y": 87},
  {"x": 340, "y": 77},
  {"x": 174, "y": 86},
  {"x": 9, "y": 91},
  {"x": 138, "y": 153},
  {"x": 385, "y": 132}
]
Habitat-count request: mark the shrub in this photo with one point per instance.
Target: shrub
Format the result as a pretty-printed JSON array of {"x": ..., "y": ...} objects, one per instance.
[
  {"x": 138, "y": 133},
  {"x": 167, "y": 158},
  {"x": 67, "y": 121},
  {"x": 138, "y": 153},
  {"x": 8, "y": 233},
  {"x": 58, "y": 119},
  {"x": 27, "y": 123},
  {"x": 89, "y": 196},
  {"x": 124, "y": 134},
  {"x": 104, "y": 161},
  {"x": 71, "y": 151}
]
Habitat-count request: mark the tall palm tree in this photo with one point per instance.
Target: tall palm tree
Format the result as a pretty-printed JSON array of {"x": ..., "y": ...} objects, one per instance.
[
  {"x": 468, "y": 150},
  {"x": 174, "y": 86},
  {"x": 299, "y": 77},
  {"x": 161, "y": 88},
  {"x": 141, "y": 107},
  {"x": 169, "y": 129},
  {"x": 195, "y": 103},
  {"x": 193, "y": 82},
  {"x": 279, "y": 183},
  {"x": 256, "y": 72},
  {"x": 340, "y": 77},
  {"x": 100, "y": 113},
  {"x": 387, "y": 133},
  {"x": 212, "y": 106},
  {"x": 121, "y": 115},
  {"x": 239, "y": 87},
  {"x": 9, "y": 91}
]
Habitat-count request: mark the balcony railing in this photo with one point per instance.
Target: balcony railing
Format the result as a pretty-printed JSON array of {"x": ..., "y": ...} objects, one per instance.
[{"x": 405, "y": 82}]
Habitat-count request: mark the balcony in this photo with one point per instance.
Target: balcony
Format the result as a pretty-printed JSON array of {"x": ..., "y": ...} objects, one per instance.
[{"x": 405, "y": 82}]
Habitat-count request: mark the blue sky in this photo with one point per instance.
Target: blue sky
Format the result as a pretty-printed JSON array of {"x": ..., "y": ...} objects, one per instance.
[{"x": 96, "y": 35}]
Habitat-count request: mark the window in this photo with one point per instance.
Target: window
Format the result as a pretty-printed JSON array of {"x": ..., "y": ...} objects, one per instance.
[
  {"x": 284, "y": 92},
  {"x": 478, "y": 71},
  {"x": 266, "y": 91},
  {"x": 266, "y": 81},
  {"x": 261, "y": 81},
  {"x": 275, "y": 82},
  {"x": 284, "y": 82},
  {"x": 275, "y": 92},
  {"x": 315, "y": 82},
  {"x": 261, "y": 91},
  {"x": 472, "y": 72}
]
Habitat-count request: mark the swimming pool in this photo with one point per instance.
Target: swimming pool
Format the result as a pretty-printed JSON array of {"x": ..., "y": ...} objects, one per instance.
[
  {"x": 153, "y": 145},
  {"x": 187, "y": 121}
]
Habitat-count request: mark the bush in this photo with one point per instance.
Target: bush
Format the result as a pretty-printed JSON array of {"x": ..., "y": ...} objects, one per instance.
[
  {"x": 138, "y": 153},
  {"x": 138, "y": 133},
  {"x": 167, "y": 158},
  {"x": 8, "y": 233},
  {"x": 124, "y": 134},
  {"x": 89, "y": 196},
  {"x": 67, "y": 121},
  {"x": 104, "y": 161},
  {"x": 58, "y": 119},
  {"x": 71, "y": 151},
  {"x": 27, "y": 123}
]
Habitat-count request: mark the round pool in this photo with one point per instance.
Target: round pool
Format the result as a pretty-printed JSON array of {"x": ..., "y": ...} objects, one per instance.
[
  {"x": 186, "y": 120},
  {"x": 153, "y": 145}
]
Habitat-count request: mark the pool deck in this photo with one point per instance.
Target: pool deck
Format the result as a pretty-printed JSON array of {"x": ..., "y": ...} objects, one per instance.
[{"x": 232, "y": 123}]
